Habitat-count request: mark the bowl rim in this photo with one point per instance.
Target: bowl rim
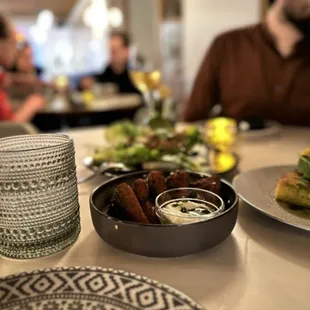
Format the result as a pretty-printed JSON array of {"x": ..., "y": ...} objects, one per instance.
[{"x": 142, "y": 172}]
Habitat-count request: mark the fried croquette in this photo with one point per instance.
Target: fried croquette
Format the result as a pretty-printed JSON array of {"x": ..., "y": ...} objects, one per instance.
[
  {"x": 156, "y": 182},
  {"x": 127, "y": 200},
  {"x": 141, "y": 189},
  {"x": 178, "y": 179},
  {"x": 150, "y": 211},
  {"x": 211, "y": 184}
]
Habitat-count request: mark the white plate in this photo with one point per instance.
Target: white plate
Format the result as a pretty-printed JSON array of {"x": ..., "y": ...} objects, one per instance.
[
  {"x": 272, "y": 129},
  {"x": 257, "y": 188},
  {"x": 88, "y": 289}
]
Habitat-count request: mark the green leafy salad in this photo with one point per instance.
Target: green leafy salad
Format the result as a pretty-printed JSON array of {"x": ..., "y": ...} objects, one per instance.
[{"x": 134, "y": 146}]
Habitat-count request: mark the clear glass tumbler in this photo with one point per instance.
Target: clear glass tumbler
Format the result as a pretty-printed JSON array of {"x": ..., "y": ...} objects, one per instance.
[{"x": 39, "y": 208}]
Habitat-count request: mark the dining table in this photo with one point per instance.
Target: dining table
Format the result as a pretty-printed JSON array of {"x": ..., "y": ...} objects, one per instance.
[
  {"x": 60, "y": 112},
  {"x": 103, "y": 110},
  {"x": 263, "y": 264}
]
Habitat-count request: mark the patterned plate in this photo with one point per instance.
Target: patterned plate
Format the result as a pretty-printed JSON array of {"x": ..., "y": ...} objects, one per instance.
[
  {"x": 257, "y": 188},
  {"x": 89, "y": 289}
]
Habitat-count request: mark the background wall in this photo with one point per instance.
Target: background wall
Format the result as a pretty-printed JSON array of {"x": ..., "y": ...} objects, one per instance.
[
  {"x": 143, "y": 18},
  {"x": 64, "y": 50},
  {"x": 204, "y": 19}
]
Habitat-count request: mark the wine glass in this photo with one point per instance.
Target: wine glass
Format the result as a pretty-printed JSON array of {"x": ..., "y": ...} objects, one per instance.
[
  {"x": 147, "y": 82},
  {"x": 154, "y": 92}
]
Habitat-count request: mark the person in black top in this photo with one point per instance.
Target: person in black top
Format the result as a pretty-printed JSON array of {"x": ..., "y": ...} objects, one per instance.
[{"x": 117, "y": 71}]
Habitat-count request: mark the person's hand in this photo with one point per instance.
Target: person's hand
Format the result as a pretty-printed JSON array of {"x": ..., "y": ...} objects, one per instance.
[
  {"x": 35, "y": 102},
  {"x": 7, "y": 80},
  {"x": 87, "y": 83},
  {"x": 29, "y": 109}
]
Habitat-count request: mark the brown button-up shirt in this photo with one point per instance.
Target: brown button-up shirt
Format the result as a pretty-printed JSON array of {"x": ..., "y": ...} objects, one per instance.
[{"x": 245, "y": 73}]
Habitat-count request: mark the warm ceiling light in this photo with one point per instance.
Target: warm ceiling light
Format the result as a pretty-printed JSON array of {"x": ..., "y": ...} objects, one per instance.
[
  {"x": 96, "y": 15},
  {"x": 116, "y": 17},
  {"x": 45, "y": 20}
]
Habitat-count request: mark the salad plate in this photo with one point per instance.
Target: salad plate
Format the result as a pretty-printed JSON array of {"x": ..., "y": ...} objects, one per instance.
[{"x": 143, "y": 148}]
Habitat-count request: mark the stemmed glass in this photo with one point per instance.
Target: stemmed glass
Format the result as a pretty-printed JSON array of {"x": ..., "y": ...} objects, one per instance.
[{"x": 155, "y": 96}]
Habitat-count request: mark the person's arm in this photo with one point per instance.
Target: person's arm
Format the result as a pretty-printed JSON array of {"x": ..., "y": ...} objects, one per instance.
[
  {"x": 25, "y": 113},
  {"x": 30, "y": 80},
  {"x": 205, "y": 92},
  {"x": 87, "y": 82},
  {"x": 29, "y": 109}
]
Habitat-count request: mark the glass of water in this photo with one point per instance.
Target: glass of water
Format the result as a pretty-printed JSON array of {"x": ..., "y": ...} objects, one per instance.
[{"x": 39, "y": 208}]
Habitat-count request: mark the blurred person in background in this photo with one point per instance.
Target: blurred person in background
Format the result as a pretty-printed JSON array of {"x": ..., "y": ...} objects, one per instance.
[
  {"x": 33, "y": 103},
  {"x": 259, "y": 71},
  {"x": 117, "y": 71},
  {"x": 24, "y": 61},
  {"x": 22, "y": 72}
]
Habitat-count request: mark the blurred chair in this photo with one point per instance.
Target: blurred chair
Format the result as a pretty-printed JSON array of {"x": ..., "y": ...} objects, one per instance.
[{"x": 14, "y": 129}]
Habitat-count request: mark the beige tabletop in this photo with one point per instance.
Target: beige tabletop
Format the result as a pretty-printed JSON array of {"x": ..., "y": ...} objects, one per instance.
[
  {"x": 105, "y": 104},
  {"x": 60, "y": 105},
  {"x": 262, "y": 265}
]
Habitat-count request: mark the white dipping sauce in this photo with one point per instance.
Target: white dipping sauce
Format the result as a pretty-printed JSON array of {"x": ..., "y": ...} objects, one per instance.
[{"x": 185, "y": 211}]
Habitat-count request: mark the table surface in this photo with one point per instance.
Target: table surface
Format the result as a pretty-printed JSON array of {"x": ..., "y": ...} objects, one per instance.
[
  {"x": 104, "y": 104},
  {"x": 262, "y": 265},
  {"x": 59, "y": 105}
]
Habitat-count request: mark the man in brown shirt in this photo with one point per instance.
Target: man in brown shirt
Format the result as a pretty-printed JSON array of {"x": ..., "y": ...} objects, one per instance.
[{"x": 259, "y": 71}]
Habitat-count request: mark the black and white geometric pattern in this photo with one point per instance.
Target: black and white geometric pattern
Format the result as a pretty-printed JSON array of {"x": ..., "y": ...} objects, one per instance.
[{"x": 88, "y": 289}]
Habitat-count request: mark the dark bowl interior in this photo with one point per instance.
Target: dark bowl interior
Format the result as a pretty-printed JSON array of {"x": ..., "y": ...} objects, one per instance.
[{"x": 160, "y": 240}]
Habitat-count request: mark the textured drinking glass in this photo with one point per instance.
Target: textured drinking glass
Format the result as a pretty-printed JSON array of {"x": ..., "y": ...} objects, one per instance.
[{"x": 39, "y": 208}]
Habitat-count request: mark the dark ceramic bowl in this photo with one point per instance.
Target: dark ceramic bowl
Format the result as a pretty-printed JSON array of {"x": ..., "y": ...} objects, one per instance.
[{"x": 160, "y": 240}]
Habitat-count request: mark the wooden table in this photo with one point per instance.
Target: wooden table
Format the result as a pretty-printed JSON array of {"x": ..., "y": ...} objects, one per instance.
[{"x": 262, "y": 265}]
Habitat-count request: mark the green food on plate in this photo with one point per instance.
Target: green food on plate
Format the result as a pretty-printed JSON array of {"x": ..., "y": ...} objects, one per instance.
[
  {"x": 134, "y": 145},
  {"x": 122, "y": 132},
  {"x": 303, "y": 167}
]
